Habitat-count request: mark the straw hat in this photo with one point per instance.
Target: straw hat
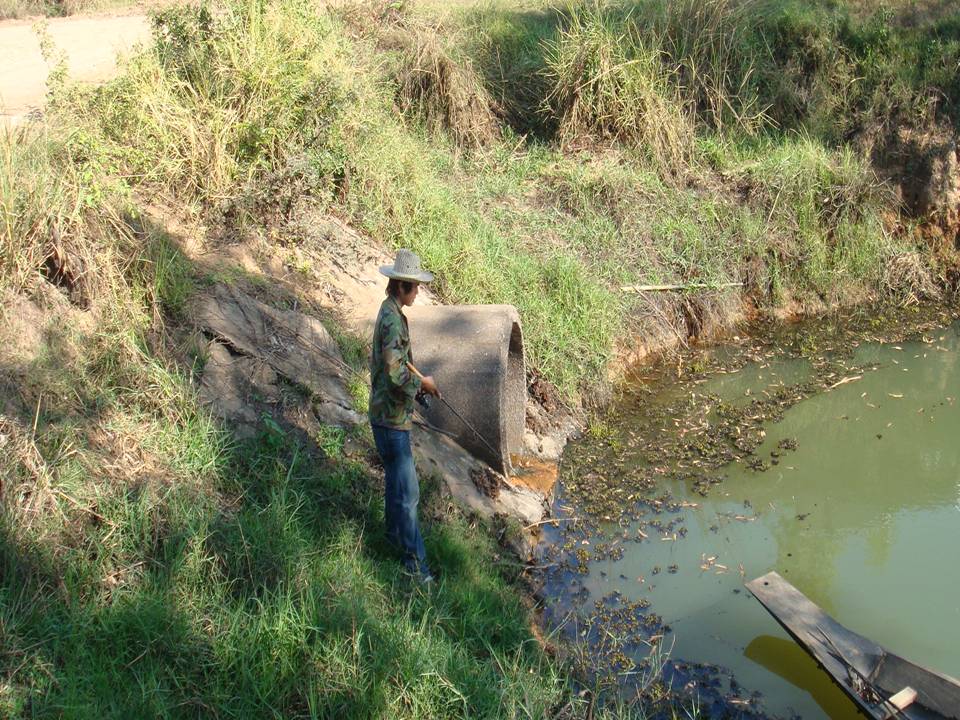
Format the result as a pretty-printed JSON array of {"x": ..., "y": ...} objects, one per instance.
[{"x": 406, "y": 267}]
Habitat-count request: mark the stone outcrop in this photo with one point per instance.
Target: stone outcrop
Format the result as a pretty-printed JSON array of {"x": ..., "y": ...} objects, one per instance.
[{"x": 255, "y": 349}]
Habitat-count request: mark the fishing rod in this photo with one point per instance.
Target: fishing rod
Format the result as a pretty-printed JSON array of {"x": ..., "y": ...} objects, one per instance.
[
  {"x": 887, "y": 704},
  {"x": 460, "y": 417}
]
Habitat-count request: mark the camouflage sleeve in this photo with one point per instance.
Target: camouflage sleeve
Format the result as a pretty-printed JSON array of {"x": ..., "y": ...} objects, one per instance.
[{"x": 394, "y": 358}]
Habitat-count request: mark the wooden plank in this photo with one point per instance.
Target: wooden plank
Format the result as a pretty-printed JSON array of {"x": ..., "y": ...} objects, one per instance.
[
  {"x": 903, "y": 699},
  {"x": 820, "y": 635},
  {"x": 854, "y": 661}
]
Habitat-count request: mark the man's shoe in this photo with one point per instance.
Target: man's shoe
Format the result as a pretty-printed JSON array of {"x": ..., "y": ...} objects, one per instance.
[{"x": 420, "y": 575}]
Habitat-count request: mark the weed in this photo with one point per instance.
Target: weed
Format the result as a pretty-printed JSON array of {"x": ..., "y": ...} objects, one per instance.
[
  {"x": 444, "y": 90},
  {"x": 172, "y": 281},
  {"x": 598, "y": 429},
  {"x": 330, "y": 439}
]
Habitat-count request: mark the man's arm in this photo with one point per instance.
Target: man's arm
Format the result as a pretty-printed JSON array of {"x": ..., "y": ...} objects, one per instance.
[{"x": 394, "y": 361}]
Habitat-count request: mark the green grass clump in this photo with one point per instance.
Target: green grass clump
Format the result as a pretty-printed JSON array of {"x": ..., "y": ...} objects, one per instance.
[
  {"x": 440, "y": 85},
  {"x": 224, "y": 103},
  {"x": 830, "y": 69},
  {"x": 58, "y": 210},
  {"x": 833, "y": 202},
  {"x": 646, "y": 73}
]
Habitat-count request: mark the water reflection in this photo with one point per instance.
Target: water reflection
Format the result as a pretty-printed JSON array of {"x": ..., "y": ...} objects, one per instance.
[{"x": 785, "y": 658}]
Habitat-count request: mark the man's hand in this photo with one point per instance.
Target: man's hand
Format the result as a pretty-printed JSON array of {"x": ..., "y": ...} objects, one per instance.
[{"x": 428, "y": 386}]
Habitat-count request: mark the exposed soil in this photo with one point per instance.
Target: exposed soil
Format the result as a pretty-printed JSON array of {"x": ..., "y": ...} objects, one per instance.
[
  {"x": 923, "y": 167},
  {"x": 91, "y": 46}
]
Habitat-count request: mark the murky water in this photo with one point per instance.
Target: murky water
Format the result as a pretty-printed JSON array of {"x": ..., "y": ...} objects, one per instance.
[{"x": 863, "y": 516}]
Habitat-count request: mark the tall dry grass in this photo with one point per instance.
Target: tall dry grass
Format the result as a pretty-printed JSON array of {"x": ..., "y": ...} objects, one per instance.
[
  {"x": 610, "y": 82},
  {"x": 711, "y": 43},
  {"x": 441, "y": 86},
  {"x": 61, "y": 214},
  {"x": 651, "y": 74},
  {"x": 223, "y": 101}
]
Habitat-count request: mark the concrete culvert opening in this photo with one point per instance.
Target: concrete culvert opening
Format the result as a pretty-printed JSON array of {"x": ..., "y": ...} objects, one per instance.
[{"x": 475, "y": 353}]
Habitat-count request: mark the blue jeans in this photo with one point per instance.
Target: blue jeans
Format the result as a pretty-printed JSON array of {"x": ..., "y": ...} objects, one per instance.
[{"x": 401, "y": 496}]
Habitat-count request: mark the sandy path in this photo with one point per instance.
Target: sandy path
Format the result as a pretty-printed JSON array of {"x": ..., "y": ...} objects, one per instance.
[{"x": 91, "y": 44}]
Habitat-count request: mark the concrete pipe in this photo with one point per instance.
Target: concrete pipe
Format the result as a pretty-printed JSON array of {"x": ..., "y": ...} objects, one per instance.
[{"x": 475, "y": 353}]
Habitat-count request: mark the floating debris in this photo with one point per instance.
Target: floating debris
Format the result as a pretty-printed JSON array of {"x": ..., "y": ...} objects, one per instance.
[{"x": 668, "y": 432}]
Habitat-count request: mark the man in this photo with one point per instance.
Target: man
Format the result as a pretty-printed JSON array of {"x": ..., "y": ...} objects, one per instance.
[{"x": 393, "y": 390}]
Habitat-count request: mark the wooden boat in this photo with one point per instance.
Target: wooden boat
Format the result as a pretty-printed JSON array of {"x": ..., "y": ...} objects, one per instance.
[{"x": 883, "y": 685}]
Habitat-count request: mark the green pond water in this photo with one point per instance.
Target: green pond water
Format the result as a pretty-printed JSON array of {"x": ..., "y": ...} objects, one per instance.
[{"x": 863, "y": 517}]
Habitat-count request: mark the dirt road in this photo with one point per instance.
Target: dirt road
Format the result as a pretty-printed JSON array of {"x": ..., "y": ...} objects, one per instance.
[{"x": 91, "y": 44}]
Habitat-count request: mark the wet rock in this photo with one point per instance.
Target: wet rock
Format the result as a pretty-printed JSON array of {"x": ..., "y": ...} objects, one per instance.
[{"x": 550, "y": 448}]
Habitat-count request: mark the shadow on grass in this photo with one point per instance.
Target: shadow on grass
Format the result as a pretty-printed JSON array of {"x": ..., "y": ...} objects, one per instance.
[{"x": 511, "y": 49}]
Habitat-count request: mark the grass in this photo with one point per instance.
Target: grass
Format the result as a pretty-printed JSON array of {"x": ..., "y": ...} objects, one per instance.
[
  {"x": 389, "y": 120},
  {"x": 57, "y": 209},
  {"x": 442, "y": 87},
  {"x": 265, "y": 592},
  {"x": 536, "y": 155},
  {"x": 608, "y": 82},
  {"x": 150, "y": 565},
  {"x": 830, "y": 68}
]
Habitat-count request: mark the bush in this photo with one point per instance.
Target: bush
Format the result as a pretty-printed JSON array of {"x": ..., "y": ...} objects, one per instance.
[{"x": 220, "y": 103}]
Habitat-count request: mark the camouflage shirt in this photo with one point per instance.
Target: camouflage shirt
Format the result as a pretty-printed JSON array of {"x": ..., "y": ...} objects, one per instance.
[{"x": 392, "y": 386}]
